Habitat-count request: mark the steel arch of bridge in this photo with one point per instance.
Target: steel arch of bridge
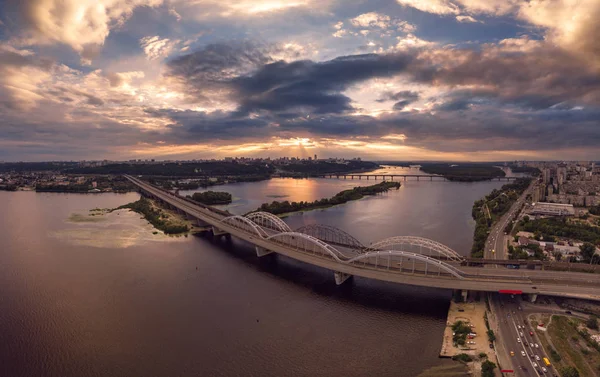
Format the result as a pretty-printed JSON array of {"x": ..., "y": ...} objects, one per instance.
[
  {"x": 308, "y": 243},
  {"x": 379, "y": 259},
  {"x": 441, "y": 249},
  {"x": 393, "y": 255},
  {"x": 269, "y": 221},
  {"x": 331, "y": 234},
  {"x": 243, "y": 223}
]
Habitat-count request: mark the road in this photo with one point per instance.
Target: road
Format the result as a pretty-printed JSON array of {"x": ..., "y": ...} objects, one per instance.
[
  {"x": 495, "y": 246},
  {"x": 514, "y": 333}
]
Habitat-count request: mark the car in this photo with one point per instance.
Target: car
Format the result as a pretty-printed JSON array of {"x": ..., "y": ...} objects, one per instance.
[
  {"x": 523, "y": 353},
  {"x": 512, "y": 353},
  {"x": 568, "y": 312},
  {"x": 518, "y": 340},
  {"x": 531, "y": 333},
  {"x": 537, "y": 357},
  {"x": 518, "y": 326},
  {"x": 536, "y": 345},
  {"x": 525, "y": 343},
  {"x": 535, "y": 365},
  {"x": 533, "y": 287},
  {"x": 544, "y": 369},
  {"x": 521, "y": 333},
  {"x": 491, "y": 345}
]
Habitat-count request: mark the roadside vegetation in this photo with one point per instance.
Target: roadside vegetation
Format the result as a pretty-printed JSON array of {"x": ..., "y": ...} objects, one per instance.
[
  {"x": 211, "y": 197},
  {"x": 488, "y": 210},
  {"x": 550, "y": 228},
  {"x": 487, "y": 369},
  {"x": 356, "y": 193},
  {"x": 571, "y": 349},
  {"x": 155, "y": 216}
]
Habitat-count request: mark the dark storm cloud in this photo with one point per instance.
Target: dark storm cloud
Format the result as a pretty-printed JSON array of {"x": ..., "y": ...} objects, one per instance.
[
  {"x": 317, "y": 86},
  {"x": 280, "y": 86},
  {"x": 398, "y": 96}
]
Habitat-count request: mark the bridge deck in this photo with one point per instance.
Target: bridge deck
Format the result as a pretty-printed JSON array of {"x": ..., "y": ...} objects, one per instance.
[{"x": 402, "y": 269}]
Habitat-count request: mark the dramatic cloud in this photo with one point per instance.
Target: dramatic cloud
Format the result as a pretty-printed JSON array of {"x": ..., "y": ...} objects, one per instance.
[
  {"x": 503, "y": 79},
  {"x": 81, "y": 24}
]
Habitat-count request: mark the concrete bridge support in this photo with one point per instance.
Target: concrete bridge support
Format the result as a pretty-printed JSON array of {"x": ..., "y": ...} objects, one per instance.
[
  {"x": 464, "y": 294},
  {"x": 341, "y": 277},
  {"x": 261, "y": 251},
  {"x": 218, "y": 232},
  {"x": 533, "y": 297}
]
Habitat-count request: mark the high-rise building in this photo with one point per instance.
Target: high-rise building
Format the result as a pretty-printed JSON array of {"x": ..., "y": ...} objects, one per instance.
[{"x": 315, "y": 157}]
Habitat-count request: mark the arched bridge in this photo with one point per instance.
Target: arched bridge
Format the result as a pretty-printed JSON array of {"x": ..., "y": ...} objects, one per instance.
[{"x": 402, "y": 259}]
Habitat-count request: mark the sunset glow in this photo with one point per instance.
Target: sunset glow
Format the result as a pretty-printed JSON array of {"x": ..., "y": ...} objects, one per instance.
[{"x": 208, "y": 79}]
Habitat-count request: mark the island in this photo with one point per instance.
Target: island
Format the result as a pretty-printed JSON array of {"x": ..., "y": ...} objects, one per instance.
[
  {"x": 278, "y": 208},
  {"x": 458, "y": 171},
  {"x": 211, "y": 197}
]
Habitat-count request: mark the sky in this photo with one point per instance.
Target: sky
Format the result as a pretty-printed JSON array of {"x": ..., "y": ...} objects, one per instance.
[{"x": 461, "y": 80}]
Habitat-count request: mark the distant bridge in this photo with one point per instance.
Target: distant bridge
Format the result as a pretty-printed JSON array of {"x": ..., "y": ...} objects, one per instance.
[
  {"x": 416, "y": 177},
  {"x": 402, "y": 259}
]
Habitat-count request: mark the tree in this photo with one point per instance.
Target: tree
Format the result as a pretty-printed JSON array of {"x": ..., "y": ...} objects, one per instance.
[
  {"x": 587, "y": 251},
  {"x": 487, "y": 369},
  {"x": 557, "y": 255},
  {"x": 592, "y": 323},
  {"x": 491, "y": 335},
  {"x": 569, "y": 372}
]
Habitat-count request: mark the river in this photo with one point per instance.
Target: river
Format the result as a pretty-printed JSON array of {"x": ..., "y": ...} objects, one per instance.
[{"x": 88, "y": 295}]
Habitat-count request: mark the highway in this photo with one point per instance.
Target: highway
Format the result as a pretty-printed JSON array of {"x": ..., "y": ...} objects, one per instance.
[
  {"x": 495, "y": 247},
  {"x": 515, "y": 334}
]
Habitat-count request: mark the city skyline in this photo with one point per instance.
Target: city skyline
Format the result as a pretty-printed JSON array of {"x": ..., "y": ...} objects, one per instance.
[{"x": 464, "y": 80}]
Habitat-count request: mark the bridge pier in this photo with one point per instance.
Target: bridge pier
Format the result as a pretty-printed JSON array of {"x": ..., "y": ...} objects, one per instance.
[
  {"x": 465, "y": 295},
  {"x": 218, "y": 232},
  {"x": 261, "y": 251},
  {"x": 533, "y": 297},
  {"x": 341, "y": 277}
]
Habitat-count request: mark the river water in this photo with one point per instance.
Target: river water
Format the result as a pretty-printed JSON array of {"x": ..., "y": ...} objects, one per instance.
[{"x": 88, "y": 295}]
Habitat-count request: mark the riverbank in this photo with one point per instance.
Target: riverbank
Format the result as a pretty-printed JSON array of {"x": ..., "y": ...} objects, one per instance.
[
  {"x": 471, "y": 314},
  {"x": 285, "y": 207},
  {"x": 162, "y": 219}
]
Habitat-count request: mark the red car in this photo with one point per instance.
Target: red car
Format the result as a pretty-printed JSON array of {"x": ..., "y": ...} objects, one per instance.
[{"x": 531, "y": 333}]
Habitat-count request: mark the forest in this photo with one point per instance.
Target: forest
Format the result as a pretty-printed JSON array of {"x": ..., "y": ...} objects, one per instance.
[{"x": 211, "y": 197}]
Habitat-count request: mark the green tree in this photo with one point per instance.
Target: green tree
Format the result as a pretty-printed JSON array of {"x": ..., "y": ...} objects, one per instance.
[
  {"x": 592, "y": 323},
  {"x": 487, "y": 369},
  {"x": 587, "y": 251},
  {"x": 491, "y": 335},
  {"x": 569, "y": 372}
]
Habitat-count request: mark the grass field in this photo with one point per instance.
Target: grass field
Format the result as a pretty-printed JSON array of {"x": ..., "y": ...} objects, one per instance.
[{"x": 571, "y": 347}]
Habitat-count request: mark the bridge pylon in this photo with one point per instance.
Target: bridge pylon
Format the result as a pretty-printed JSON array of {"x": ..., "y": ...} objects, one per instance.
[
  {"x": 341, "y": 277},
  {"x": 261, "y": 251}
]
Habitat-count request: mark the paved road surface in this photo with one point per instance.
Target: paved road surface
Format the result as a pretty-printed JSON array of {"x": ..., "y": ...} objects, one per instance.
[
  {"x": 512, "y": 323},
  {"x": 495, "y": 247}
]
